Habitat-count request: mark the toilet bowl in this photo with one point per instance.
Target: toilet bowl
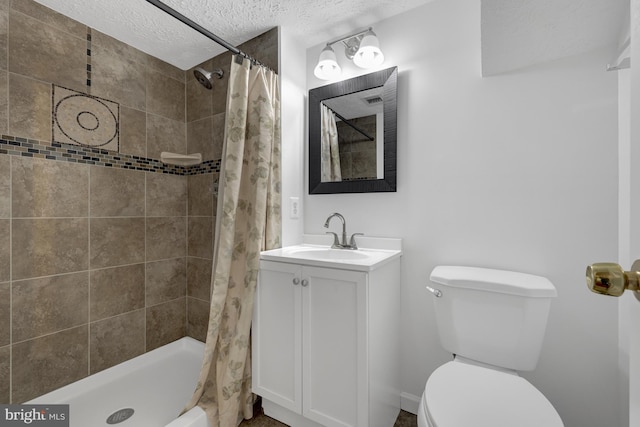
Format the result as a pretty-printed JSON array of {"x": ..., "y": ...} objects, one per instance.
[{"x": 493, "y": 321}]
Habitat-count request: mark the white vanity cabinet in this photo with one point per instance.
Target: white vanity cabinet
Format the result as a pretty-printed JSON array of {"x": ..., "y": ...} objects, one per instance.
[{"x": 325, "y": 344}]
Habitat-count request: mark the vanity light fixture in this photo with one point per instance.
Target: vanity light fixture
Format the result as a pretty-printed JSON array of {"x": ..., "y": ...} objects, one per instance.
[
  {"x": 327, "y": 67},
  {"x": 361, "y": 47}
]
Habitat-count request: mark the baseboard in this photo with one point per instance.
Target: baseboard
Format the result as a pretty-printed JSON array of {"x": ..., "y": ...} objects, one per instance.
[{"x": 409, "y": 402}]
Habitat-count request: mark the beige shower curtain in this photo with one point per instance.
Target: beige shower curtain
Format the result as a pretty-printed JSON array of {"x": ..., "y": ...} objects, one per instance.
[
  {"x": 330, "y": 152},
  {"x": 248, "y": 221}
]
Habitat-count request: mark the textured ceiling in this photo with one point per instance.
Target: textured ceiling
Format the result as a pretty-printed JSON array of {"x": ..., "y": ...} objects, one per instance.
[
  {"x": 355, "y": 105},
  {"x": 515, "y": 33},
  {"x": 519, "y": 33},
  {"x": 142, "y": 25}
]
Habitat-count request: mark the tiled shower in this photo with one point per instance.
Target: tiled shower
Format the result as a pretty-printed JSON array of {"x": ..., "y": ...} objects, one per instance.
[{"x": 103, "y": 254}]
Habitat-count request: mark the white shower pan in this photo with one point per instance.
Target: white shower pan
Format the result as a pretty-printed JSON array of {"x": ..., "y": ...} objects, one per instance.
[{"x": 147, "y": 391}]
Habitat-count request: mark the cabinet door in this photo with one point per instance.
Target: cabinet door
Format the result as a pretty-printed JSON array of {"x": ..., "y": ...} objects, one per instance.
[
  {"x": 334, "y": 340},
  {"x": 276, "y": 335}
]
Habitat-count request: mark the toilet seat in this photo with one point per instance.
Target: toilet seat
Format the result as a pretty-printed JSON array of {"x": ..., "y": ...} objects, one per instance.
[{"x": 459, "y": 394}]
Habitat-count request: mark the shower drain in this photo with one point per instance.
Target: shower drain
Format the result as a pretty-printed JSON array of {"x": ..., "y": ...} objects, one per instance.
[{"x": 120, "y": 415}]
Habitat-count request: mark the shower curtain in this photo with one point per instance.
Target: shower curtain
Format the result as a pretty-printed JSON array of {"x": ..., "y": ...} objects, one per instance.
[
  {"x": 248, "y": 221},
  {"x": 330, "y": 161}
]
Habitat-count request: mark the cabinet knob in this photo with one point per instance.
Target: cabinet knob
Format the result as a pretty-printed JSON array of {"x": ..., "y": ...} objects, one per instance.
[
  {"x": 305, "y": 282},
  {"x": 296, "y": 280}
]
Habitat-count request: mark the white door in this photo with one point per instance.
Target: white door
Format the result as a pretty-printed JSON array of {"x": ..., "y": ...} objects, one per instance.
[
  {"x": 334, "y": 341},
  {"x": 630, "y": 215},
  {"x": 276, "y": 335},
  {"x": 632, "y": 314}
]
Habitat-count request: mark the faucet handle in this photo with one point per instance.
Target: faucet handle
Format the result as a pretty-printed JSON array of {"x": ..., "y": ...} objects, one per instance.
[
  {"x": 352, "y": 241},
  {"x": 336, "y": 241}
]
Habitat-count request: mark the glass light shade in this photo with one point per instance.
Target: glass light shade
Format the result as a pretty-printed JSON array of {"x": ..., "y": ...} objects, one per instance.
[
  {"x": 327, "y": 67},
  {"x": 369, "y": 55}
]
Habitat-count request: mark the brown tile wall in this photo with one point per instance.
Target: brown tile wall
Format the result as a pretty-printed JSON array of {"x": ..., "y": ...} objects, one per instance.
[
  {"x": 93, "y": 270},
  {"x": 100, "y": 264},
  {"x": 357, "y": 153}
]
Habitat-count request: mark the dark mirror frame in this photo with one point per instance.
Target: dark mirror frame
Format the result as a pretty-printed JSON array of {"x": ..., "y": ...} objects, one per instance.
[{"x": 388, "y": 80}]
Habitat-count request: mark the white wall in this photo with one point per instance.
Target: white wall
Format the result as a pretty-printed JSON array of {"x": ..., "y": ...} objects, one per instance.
[
  {"x": 518, "y": 172},
  {"x": 293, "y": 109}
]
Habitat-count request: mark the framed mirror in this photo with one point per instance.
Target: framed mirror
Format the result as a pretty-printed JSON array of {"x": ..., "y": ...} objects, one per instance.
[{"x": 352, "y": 135}]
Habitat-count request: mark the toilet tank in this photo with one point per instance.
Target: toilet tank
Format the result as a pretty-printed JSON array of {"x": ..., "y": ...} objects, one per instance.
[{"x": 492, "y": 316}]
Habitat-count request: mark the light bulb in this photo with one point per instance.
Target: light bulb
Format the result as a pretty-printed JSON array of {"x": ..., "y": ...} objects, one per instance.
[
  {"x": 369, "y": 55},
  {"x": 327, "y": 67}
]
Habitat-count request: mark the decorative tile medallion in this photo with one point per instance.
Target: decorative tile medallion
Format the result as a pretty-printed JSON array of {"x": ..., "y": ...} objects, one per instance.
[{"x": 85, "y": 120}]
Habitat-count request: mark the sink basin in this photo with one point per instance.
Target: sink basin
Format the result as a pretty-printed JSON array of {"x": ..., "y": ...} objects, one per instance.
[
  {"x": 330, "y": 254},
  {"x": 325, "y": 256}
]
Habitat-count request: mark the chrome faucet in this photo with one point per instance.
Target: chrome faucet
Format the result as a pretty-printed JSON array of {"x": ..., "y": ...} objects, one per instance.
[{"x": 342, "y": 243}]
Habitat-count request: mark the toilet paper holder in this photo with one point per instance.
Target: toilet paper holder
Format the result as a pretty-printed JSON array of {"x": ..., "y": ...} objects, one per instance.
[{"x": 608, "y": 278}]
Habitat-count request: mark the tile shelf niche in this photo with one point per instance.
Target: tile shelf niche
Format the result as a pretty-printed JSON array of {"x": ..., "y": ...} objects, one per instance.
[{"x": 180, "y": 159}]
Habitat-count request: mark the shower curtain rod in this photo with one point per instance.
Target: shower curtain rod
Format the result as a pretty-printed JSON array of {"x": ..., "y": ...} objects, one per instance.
[
  {"x": 202, "y": 30},
  {"x": 356, "y": 128}
]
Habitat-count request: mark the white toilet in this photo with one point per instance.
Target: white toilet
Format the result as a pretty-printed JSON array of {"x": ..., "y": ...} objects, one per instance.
[{"x": 493, "y": 322}]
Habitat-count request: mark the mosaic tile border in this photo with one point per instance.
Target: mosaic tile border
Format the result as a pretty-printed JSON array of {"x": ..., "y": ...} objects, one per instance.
[
  {"x": 364, "y": 178},
  {"x": 89, "y": 57},
  {"x": 16, "y": 146}
]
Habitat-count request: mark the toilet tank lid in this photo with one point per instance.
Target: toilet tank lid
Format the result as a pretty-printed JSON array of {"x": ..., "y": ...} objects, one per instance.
[{"x": 490, "y": 280}]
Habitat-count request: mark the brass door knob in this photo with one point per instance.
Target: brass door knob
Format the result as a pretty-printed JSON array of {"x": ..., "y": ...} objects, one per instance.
[{"x": 609, "y": 278}]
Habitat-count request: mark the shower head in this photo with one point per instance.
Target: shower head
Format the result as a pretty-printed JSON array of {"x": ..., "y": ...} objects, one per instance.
[{"x": 204, "y": 77}]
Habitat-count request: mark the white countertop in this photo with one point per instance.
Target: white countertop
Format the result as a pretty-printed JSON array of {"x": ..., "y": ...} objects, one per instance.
[{"x": 372, "y": 253}]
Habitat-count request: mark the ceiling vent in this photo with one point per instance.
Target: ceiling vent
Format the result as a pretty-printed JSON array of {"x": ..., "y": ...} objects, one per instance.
[{"x": 373, "y": 100}]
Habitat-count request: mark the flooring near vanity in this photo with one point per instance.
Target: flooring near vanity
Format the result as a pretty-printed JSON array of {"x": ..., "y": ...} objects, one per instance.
[{"x": 405, "y": 419}]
